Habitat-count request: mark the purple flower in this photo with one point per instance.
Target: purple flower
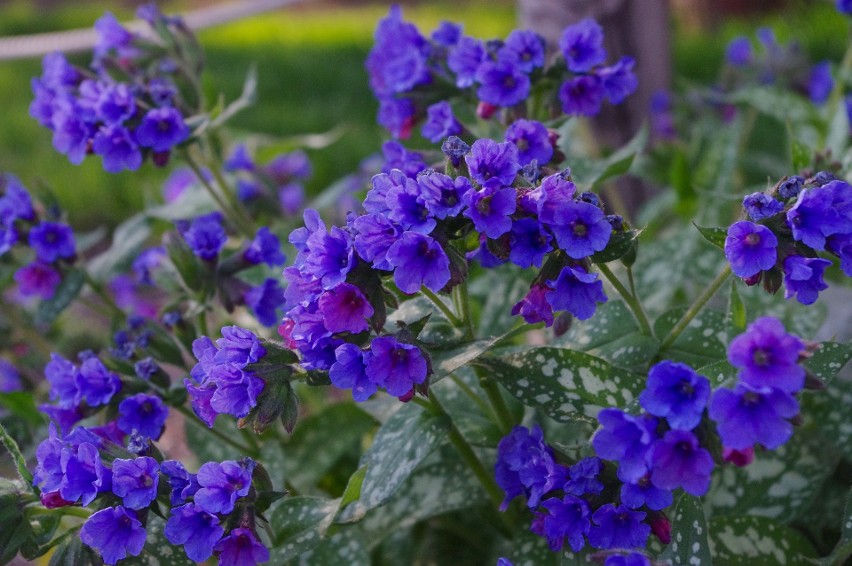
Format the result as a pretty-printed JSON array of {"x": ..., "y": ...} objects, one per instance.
[
  {"x": 502, "y": 82},
  {"x": 182, "y": 483},
  {"x": 239, "y": 160},
  {"x": 236, "y": 390},
  {"x": 566, "y": 518},
  {"x": 145, "y": 414},
  {"x": 677, "y": 460},
  {"x": 112, "y": 36},
  {"x": 529, "y": 243},
  {"x": 583, "y": 477},
  {"x": 803, "y": 278},
  {"x": 790, "y": 187},
  {"x": 490, "y": 208},
  {"x": 265, "y": 248},
  {"x": 71, "y": 136},
  {"x": 676, "y": 393},
  {"x": 447, "y": 34},
  {"x": 265, "y": 300},
  {"x": 464, "y": 60},
  {"x": 761, "y": 205},
  {"x": 841, "y": 246},
  {"x": 553, "y": 194},
  {"x": 535, "y": 307},
  {"x": 15, "y": 203},
  {"x": 418, "y": 260},
  {"x": 440, "y": 122},
  {"x": 526, "y": 48},
  {"x": 631, "y": 559},
  {"x": 397, "y": 61},
  {"x": 397, "y": 157},
  {"x": 62, "y": 376},
  {"x": 348, "y": 372},
  {"x": 625, "y": 439},
  {"x": 222, "y": 484},
  {"x": 10, "y": 380},
  {"x": 455, "y": 148},
  {"x": 816, "y": 214},
  {"x": 738, "y": 52},
  {"x": 746, "y": 416},
  {"x": 582, "y": 45},
  {"x": 618, "y": 527},
  {"x": 48, "y": 472},
  {"x": 820, "y": 82},
  {"x": 844, "y": 6},
  {"x": 116, "y": 146},
  {"x": 330, "y": 256},
  {"x": 147, "y": 261},
  {"x": 205, "y": 235},
  {"x": 532, "y": 140},
  {"x": 52, "y": 241},
  {"x": 194, "y": 528},
  {"x": 38, "y": 279},
  {"x": 395, "y": 366},
  {"x": 525, "y": 466},
  {"x": 407, "y": 207},
  {"x": 241, "y": 548},
  {"x": 115, "y": 103},
  {"x": 767, "y": 356},
  {"x": 83, "y": 474},
  {"x": 200, "y": 397},
  {"x": 443, "y": 195},
  {"x": 162, "y": 129},
  {"x": 618, "y": 80},
  {"x": 396, "y": 115},
  {"x": 115, "y": 533},
  {"x": 581, "y": 229},
  {"x": 135, "y": 481},
  {"x": 375, "y": 235},
  {"x": 96, "y": 383},
  {"x": 576, "y": 291},
  {"x": 582, "y": 95},
  {"x": 643, "y": 492},
  {"x": 345, "y": 309},
  {"x": 489, "y": 159},
  {"x": 750, "y": 248}
]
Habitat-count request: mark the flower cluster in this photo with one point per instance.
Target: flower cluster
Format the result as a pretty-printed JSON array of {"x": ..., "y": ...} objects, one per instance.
[
  {"x": 775, "y": 63},
  {"x": 278, "y": 183},
  {"x": 789, "y": 224},
  {"x": 73, "y": 469},
  {"x": 759, "y": 408},
  {"x": 52, "y": 242},
  {"x": 127, "y": 106},
  {"x": 403, "y": 64}
]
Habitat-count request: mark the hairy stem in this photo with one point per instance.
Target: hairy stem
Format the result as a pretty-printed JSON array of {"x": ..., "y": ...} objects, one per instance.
[
  {"x": 629, "y": 298},
  {"x": 503, "y": 415},
  {"x": 442, "y": 306},
  {"x": 696, "y": 307},
  {"x": 20, "y": 462}
]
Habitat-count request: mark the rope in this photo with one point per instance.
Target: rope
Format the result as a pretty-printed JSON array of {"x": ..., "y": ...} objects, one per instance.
[{"x": 40, "y": 44}]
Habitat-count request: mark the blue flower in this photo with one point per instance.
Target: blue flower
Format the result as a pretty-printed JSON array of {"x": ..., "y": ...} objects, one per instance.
[
  {"x": 96, "y": 383},
  {"x": 239, "y": 160},
  {"x": 84, "y": 475},
  {"x": 145, "y": 414},
  {"x": 790, "y": 187},
  {"x": 750, "y": 248},
  {"x": 631, "y": 559},
  {"x": 135, "y": 481},
  {"x": 37, "y": 278},
  {"x": 525, "y": 466},
  {"x": 222, "y": 483},
  {"x": 627, "y": 440},
  {"x": 10, "y": 379},
  {"x": 816, "y": 215},
  {"x": 502, "y": 82},
  {"x": 529, "y": 243},
  {"x": 643, "y": 492},
  {"x": 345, "y": 309},
  {"x": 331, "y": 256},
  {"x": 395, "y": 366},
  {"x": 62, "y": 376},
  {"x": 491, "y": 160},
  {"x": 761, "y": 205},
  {"x": 447, "y": 34},
  {"x": 464, "y": 60},
  {"x": 582, "y": 95},
  {"x": 418, "y": 260},
  {"x": 803, "y": 278},
  {"x": 194, "y": 528},
  {"x": 746, "y": 416},
  {"x": 375, "y": 234},
  {"x": 547, "y": 199},
  {"x": 117, "y": 148},
  {"x": 581, "y": 229},
  {"x": 236, "y": 390},
  {"x": 265, "y": 248},
  {"x": 349, "y": 372},
  {"x": 396, "y": 115},
  {"x": 52, "y": 241},
  {"x": 676, "y": 393},
  {"x": 767, "y": 356},
  {"x": 183, "y": 484},
  {"x": 265, "y": 300},
  {"x": 241, "y": 548},
  {"x": 534, "y": 307},
  {"x": 820, "y": 82},
  {"x": 490, "y": 208},
  {"x": 115, "y": 533},
  {"x": 407, "y": 207},
  {"x": 576, "y": 291},
  {"x": 583, "y": 477},
  {"x": 237, "y": 345},
  {"x": 532, "y": 140},
  {"x": 738, "y": 53},
  {"x": 440, "y": 122},
  {"x": 566, "y": 518},
  {"x": 618, "y": 527},
  {"x": 398, "y": 60},
  {"x": 526, "y": 47},
  {"x": 618, "y": 80},
  {"x": 442, "y": 194},
  {"x": 112, "y": 36},
  {"x": 205, "y": 235},
  {"x": 582, "y": 45},
  {"x": 677, "y": 460}
]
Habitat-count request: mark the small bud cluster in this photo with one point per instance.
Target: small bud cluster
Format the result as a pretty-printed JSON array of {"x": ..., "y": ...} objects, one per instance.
[{"x": 789, "y": 225}]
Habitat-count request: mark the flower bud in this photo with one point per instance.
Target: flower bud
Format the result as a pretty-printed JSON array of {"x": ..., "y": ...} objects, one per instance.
[
  {"x": 739, "y": 458},
  {"x": 662, "y": 528},
  {"x": 486, "y": 110}
]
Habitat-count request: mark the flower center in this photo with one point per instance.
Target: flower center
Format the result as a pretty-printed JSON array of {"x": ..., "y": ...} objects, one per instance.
[
  {"x": 752, "y": 239},
  {"x": 760, "y": 357}
]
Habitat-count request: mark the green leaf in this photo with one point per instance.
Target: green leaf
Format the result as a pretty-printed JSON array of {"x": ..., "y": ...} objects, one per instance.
[
  {"x": 353, "y": 488},
  {"x": 800, "y": 155},
  {"x": 74, "y": 553},
  {"x": 783, "y": 105},
  {"x": 192, "y": 202},
  {"x": 69, "y": 288},
  {"x": 299, "y": 523},
  {"x": 567, "y": 385},
  {"x": 497, "y": 293},
  {"x": 408, "y": 437},
  {"x": 127, "y": 240},
  {"x": 22, "y": 405},
  {"x": 680, "y": 178},
  {"x": 321, "y": 440},
  {"x": 438, "y": 331},
  {"x": 715, "y": 236},
  {"x": 828, "y": 360},
  {"x": 158, "y": 550},
  {"x": 703, "y": 341},
  {"x": 247, "y": 98},
  {"x": 736, "y": 315},
  {"x": 206, "y": 446},
  {"x": 347, "y": 546},
  {"x": 690, "y": 544},
  {"x": 473, "y": 420},
  {"x": 749, "y": 541},
  {"x": 616, "y": 164},
  {"x": 619, "y": 244},
  {"x": 843, "y": 550},
  {"x": 445, "y": 362},
  {"x": 829, "y": 411}
]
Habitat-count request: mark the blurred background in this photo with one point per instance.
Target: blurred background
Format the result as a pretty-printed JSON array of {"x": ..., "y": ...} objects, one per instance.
[{"x": 310, "y": 61}]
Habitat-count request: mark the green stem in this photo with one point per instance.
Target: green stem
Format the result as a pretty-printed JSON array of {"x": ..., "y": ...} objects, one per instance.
[
  {"x": 696, "y": 307},
  {"x": 81, "y": 512},
  {"x": 20, "y": 462},
  {"x": 461, "y": 294},
  {"x": 498, "y": 403},
  {"x": 442, "y": 306},
  {"x": 632, "y": 302},
  {"x": 470, "y": 393},
  {"x": 100, "y": 292},
  {"x": 231, "y": 212},
  {"x": 194, "y": 419},
  {"x": 246, "y": 224}
]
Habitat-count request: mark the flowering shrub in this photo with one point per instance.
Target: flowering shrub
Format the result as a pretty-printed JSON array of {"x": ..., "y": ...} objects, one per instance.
[{"x": 527, "y": 379}]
